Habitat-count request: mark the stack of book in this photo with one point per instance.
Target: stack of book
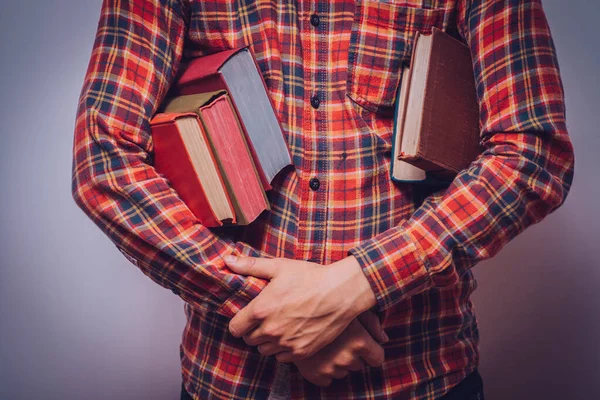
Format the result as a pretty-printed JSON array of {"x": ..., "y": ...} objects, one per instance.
[{"x": 217, "y": 139}]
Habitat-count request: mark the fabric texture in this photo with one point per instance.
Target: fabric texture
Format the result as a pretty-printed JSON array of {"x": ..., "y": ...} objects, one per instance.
[{"x": 417, "y": 255}]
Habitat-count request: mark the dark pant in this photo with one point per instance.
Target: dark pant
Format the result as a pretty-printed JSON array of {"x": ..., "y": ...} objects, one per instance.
[{"x": 470, "y": 388}]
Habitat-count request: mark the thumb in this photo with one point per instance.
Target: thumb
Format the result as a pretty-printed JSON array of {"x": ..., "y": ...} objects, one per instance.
[
  {"x": 370, "y": 322},
  {"x": 265, "y": 268}
]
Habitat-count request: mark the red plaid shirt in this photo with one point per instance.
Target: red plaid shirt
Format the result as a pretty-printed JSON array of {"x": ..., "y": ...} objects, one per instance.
[{"x": 347, "y": 54}]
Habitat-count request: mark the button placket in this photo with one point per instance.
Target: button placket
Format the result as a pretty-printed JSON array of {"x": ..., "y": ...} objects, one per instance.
[
  {"x": 314, "y": 187},
  {"x": 317, "y": 101}
]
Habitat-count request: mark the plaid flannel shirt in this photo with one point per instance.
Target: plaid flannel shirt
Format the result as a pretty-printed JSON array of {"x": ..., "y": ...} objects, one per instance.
[{"x": 416, "y": 247}]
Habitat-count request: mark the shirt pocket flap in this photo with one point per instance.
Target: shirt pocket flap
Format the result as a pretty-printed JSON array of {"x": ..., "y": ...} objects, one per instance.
[{"x": 380, "y": 43}]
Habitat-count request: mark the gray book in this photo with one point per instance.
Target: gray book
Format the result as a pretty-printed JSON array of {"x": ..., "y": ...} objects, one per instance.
[{"x": 237, "y": 72}]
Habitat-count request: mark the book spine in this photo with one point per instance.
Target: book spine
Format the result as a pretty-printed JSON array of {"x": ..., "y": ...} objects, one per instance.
[
  {"x": 233, "y": 159},
  {"x": 258, "y": 172},
  {"x": 261, "y": 173},
  {"x": 268, "y": 95}
]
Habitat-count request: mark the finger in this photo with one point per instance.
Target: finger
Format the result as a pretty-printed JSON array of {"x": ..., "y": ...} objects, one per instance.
[
  {"x": 340, "y": 373},
  {"x": 372, "y": 352},
  {"x": 256, "y": 337},
  {"x": 356, "y": 364},
  {"x": 285, "y": 357},
  {"x": 258, "y": 267},
  {"x": 268, "y": 349},
  {"x": 320, "y": 381},
  {"x": 243, "y": 321},
  {"x": 370, "y": 322}
]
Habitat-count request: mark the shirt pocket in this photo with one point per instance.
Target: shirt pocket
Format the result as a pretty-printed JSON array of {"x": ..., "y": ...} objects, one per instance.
[{"x": 380, "y": 43}]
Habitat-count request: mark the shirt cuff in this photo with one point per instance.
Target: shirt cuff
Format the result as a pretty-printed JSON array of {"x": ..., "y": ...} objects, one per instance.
[
  {"x": 394, "y": 264},
  {"x": 240, "y": 299}
]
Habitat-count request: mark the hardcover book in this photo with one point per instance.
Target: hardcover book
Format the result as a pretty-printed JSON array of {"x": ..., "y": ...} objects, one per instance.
[{"x": 436, "y": 130}]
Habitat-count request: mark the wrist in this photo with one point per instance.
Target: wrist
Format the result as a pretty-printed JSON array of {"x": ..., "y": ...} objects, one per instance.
[{"x": 355, "y": 286}]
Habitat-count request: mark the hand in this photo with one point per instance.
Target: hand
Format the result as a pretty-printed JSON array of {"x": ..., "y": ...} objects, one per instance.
[
  {"x": 303, "y": 308},
  {"x": 348, "y": 352}
]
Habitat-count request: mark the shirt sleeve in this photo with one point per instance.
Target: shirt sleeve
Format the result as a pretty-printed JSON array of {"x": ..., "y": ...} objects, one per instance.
[
  {"x": 135, "y": 57},
  {"x": 523, "y": 174}
]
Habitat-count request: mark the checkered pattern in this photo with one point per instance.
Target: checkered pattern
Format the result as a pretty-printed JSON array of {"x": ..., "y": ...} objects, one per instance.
[{"x": 416, "y": 256}]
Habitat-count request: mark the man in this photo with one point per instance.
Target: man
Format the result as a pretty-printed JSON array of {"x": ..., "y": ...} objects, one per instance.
[{"x": 288, "y": 307}]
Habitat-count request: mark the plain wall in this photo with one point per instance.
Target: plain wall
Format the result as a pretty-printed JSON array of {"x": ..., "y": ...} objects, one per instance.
[{"x": 77, "y": 321}]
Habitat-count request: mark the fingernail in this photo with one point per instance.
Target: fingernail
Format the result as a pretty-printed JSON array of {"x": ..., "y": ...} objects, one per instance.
[
  {"x": 386, "y": 338},
  {"x": 231, "y": 259}
]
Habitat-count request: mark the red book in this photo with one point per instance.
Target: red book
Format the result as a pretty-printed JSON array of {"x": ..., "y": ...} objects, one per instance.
[
  {"x": 183, "y": 156},
  {"x": 231, "y": 152},
  {"x": 237, "y": 72}
]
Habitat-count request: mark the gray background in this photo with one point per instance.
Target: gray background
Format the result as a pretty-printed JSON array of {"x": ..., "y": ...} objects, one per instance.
[{"x": 79, "y": 322}]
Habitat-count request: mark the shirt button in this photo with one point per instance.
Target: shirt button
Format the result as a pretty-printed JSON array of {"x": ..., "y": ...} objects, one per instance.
[
  {"x": 315, "y": 20},
  {"x": 315, "y": 102},
  {"x": 314, "y": 184}
]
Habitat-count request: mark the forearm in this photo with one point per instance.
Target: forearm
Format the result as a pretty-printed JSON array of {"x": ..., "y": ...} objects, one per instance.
[{"x": 147, "y": 220}]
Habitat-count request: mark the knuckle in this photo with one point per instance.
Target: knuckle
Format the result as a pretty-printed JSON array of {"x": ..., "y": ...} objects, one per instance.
[
  {"x": 360, "y": 344},
  {"x": 327, "y": 370},
  {"x": 345, "y": 362},
  {"x": 250, "y": 263},
  {"x": 271, "y": 331},
  {"x": 260, "y": 312},
  {"x": 300, "y": 353}
]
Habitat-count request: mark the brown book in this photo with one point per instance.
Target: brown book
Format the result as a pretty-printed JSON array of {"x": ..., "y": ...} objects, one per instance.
[
  {"x": 231, "y": 152},
  {"x": 437, "y": 116}
]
